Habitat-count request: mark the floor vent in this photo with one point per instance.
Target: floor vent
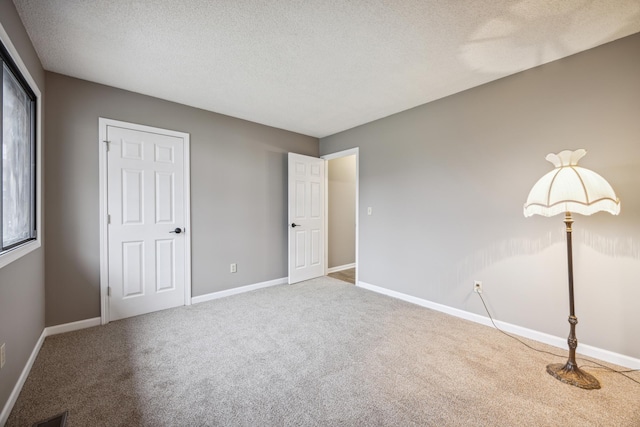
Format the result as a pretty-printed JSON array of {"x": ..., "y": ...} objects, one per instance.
[{"x": 59, "y": 420}]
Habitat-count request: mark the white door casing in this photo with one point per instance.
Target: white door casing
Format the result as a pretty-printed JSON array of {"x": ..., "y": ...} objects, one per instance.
[
  {"x": 349, "y": 152},
  {"x": 145, "y": 263},
  {"x": 306, "y": 217}
]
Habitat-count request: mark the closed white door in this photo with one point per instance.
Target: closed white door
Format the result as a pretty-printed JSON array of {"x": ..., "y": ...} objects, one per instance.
[
  {"x": 306, "y": 217},
  {"x": 146, "y": 220}
]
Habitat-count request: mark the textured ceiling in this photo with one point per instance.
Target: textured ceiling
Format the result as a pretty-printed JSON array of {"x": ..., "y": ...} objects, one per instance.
[{"x": 313, "y": 67}]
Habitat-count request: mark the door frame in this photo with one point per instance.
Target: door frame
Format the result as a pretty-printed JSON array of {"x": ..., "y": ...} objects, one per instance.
[
  {"x": 104, "y": 241},
  {"x": 344, "y": 153}
]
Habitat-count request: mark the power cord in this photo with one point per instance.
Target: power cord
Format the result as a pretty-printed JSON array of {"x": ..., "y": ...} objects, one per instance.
[{"x": 600, "y": 365}]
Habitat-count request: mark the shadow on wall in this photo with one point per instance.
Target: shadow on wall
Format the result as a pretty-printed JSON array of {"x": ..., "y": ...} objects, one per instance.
[
  {"x": 499, "y": 251},
  {"x": 517, "y": 34},
  {"x": 613, "y": 246}
]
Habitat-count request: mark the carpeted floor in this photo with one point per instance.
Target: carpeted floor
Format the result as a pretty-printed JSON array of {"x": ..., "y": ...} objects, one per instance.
[{"x": 317, "y": 353}]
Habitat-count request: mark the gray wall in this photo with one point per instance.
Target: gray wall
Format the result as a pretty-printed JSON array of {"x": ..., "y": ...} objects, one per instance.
[
  {"x": 21, "y": 282},
  {"x": 447, "y": 182},
  {"x": 342, "y": 211},
  {"x": 238, "y": 192}
]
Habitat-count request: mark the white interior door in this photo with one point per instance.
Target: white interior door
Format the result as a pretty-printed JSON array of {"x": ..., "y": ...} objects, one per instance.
[
  {"x": 306, "y": 217},
  {"x": 147, "y": 215}
]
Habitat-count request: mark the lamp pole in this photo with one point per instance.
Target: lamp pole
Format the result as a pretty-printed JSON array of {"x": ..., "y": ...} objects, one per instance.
[{"x": 570, "y": 373}]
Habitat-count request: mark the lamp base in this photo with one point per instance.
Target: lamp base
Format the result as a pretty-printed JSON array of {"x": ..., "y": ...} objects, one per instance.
[{"x": 569, "y": 373}]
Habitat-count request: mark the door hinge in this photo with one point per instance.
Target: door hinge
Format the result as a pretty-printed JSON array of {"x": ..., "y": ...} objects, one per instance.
[
  {"x": 108, "y": 219},
  {"x": 107, "y": 142},
  {"x": 108, "y": 291}
]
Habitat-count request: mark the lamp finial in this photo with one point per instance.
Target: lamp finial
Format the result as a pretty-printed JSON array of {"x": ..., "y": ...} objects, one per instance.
[{"x": 566, "y": 157}]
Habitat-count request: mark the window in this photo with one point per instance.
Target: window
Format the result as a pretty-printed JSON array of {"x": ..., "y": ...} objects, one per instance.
[{"x": 18, "y": 193}]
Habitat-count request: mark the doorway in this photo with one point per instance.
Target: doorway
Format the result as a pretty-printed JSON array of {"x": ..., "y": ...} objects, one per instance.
[{"x": 342, "y": 215}]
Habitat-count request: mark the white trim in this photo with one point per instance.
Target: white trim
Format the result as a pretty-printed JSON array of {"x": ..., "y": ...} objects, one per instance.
[
  {"x": 104, "y": 244},
  {"x": 584, "y": 349},
  {"x": 350, "y": 152},
  {"x": 344, "y": 153},
  {"x": 31, "y": 246},
  {"x": 240, "y": 290},
  {"x": 187, "y": 217},
  {"x": 341, "y": 267},
  {"x": 47, "y": 332},
  {"x": 17, "y": 253},
  {"x": 73, "y": 326}
]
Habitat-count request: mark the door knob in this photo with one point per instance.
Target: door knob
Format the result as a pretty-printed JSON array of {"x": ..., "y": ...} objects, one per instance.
[
  {"x": 294, "y": 225},
  {"x": 177, "y": 231}
]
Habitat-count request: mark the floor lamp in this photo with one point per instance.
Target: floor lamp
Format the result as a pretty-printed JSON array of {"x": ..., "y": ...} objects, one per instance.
[{"x": 570, "y": 188}]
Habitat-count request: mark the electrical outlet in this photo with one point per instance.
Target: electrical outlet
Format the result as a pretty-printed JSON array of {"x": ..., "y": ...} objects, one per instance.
[
  {"x": 2, "y": 356},
  {"x": 477, "y": 286},
  {"x": 369, "y": 210},
  {"x": 233, "y": 268}
]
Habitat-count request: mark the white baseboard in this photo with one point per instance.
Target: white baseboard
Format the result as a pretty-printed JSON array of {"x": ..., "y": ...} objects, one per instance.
[
  {"x": 584, "y": 349},
  {"x": 341, "y": 267},
  {"x": 47, "y": 332},
  {"x": 73, "y": 326},
  {"x": 13, "y": 397},
  {"x": 240, "y": 290}
]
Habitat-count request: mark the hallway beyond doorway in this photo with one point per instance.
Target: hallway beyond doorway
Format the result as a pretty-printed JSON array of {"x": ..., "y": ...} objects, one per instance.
[{"x": 348, "y": 275}]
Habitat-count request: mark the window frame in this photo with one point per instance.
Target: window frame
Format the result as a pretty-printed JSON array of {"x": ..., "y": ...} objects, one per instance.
[{"x": 17, "y": 66}]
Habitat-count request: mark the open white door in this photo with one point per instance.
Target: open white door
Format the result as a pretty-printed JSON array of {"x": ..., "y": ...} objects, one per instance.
[{"x": 306, "y": 217}]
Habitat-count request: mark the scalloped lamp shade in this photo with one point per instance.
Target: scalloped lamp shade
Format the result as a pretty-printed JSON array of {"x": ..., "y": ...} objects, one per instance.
[{"x": 570, "y": 188}]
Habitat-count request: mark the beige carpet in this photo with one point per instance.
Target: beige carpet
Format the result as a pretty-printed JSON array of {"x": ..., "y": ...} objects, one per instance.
[{"x": 319, "y": 353}]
